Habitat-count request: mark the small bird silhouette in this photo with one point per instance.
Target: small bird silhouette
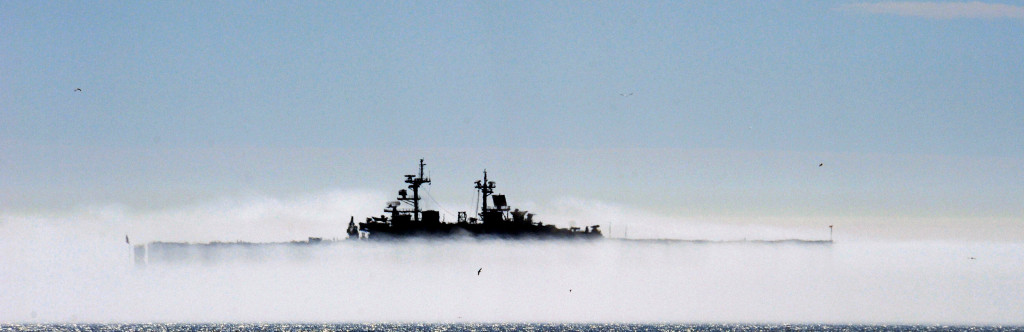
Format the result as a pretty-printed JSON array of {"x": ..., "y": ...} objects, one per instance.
[
  {"x": 821, "y": 164},
  {"x": 971, "y": 257},
  {"x": 78, "y": 89},
  {"x": 626, "y": 94},
  {"x": 478, "y": 271}
]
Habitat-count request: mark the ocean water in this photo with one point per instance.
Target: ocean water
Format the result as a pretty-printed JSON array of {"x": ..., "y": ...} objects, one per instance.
[{"x": 494, "y": 327}]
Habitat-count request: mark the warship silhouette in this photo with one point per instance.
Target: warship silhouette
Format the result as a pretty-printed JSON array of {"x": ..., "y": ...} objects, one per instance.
[{"x": 404, "y": 219}]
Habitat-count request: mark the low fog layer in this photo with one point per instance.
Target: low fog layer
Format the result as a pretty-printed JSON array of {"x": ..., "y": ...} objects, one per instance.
[{"x": 77, "y": 267}]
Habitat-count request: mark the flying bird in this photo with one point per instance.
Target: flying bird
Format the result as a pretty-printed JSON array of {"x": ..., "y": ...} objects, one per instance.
[
  {"x": 821, "y": 164},
  {"x": 78, "y": 89},
  {"x": 626, "y": 94},
  {"x": 478, "y": 271},
  {"x": 126, "y": 239}
]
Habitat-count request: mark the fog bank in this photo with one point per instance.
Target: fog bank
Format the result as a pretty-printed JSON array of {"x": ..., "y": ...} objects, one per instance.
[{"x": 76, "y": 267}]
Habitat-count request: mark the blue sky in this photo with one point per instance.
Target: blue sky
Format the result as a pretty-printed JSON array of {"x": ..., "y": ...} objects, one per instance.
[{"x": 717, "y": 111}]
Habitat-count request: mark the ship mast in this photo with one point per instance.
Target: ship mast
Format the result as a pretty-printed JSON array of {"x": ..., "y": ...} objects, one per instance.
[
  {"x": 414, "y": 184},
  {"x": 486, "y": 188}
]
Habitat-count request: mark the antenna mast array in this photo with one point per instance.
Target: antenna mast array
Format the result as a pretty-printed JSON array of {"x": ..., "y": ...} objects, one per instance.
[
  {"x": 486, "y": 188},
  {"x": 415, "y": 182}
]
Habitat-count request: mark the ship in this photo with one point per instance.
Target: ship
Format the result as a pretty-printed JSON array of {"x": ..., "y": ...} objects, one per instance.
[{"x": 405, "y": 219}]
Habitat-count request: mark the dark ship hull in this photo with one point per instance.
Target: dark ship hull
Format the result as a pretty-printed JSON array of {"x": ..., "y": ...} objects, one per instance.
[
  {"x": 496, "y": 220},
  {"x": 381, "y": 231}
]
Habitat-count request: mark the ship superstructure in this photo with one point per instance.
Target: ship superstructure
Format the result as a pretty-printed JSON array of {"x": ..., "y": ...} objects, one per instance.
[{"x": 404, "y": 218}]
